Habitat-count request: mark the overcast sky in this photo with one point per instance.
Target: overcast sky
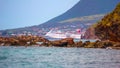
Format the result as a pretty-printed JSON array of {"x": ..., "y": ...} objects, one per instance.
[{"x": 21, "y": 13}]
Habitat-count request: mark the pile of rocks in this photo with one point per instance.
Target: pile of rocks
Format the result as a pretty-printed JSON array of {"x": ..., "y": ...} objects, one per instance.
[
  {"x": 21, "y": 40},
  {"x": 67, "y": 42}
]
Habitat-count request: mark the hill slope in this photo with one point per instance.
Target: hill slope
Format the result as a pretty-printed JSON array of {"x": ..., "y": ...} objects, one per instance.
[
  {"x": 85, "y": 8},
  {"x": 108, "y": 28}
]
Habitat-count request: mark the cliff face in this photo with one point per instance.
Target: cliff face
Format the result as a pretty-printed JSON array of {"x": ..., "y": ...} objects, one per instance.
[
  {"x": 108, "y": 28},
  {"x": 90, "y": 33}
]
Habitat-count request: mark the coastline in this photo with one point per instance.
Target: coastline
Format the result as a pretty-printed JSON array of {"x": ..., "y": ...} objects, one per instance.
[{"x": 67, "y": 42}]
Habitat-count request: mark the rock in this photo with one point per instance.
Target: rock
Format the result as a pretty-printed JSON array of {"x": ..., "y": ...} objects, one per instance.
[
  {"x": 116, "y": 45},
  {"x": 60, "y": 43},
  {"x": 70, "y": 41},
  {"x": 63, "y": 42},
  {"x": 107, "y": 44},
  {"x": 86, "y": 43},
  {"x": 90, "y": 33},
  {"x": 67, "y": 42},
  {"x": 79, "y": 44},
  {"x": 22, "y": 40}
]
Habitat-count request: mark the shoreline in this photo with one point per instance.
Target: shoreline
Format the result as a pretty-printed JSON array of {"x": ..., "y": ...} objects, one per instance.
[{"x": 37, "y": 41}]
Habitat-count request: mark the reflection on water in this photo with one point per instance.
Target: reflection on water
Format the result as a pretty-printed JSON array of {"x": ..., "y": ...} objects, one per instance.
[{"x": 52, "y": 57}]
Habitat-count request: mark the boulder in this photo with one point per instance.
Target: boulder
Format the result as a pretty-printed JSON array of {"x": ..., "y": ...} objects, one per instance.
[
  {"x": 70, "y": 41},
  {"x": 79, "y": 44},
  {"x": 60, "y": 43},
  {"x": 86, "y": 43},
  {"x": 63, "y": 42}
]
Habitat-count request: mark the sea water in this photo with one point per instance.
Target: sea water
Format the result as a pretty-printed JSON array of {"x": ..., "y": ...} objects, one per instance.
[{"x": 58, "y": 57}]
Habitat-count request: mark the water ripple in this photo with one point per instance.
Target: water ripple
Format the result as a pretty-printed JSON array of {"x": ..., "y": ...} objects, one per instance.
[{"x": 52, "y": 57}]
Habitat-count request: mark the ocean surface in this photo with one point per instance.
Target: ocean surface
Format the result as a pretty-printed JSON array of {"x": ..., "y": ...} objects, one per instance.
[
  {"x": 75, "y": 40},
  {"x": 56, "y": 57}
]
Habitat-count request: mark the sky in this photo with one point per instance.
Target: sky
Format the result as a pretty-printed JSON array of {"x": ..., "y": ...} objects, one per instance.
[{"x": 23, "y": 13}]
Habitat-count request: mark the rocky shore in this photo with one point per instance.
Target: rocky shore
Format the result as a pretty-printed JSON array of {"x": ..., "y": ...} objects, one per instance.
[{"x": 67, "y": 42}]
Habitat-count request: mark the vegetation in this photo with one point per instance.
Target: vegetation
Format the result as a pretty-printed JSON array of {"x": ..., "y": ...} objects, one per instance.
[{"x": 109, "y": 27}]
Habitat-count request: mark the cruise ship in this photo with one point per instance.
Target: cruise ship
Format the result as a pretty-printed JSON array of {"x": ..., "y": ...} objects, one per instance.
[{"x": 59, "y": 34}]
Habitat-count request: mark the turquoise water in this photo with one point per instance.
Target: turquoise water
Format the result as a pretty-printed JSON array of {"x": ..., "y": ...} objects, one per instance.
[{"x": 52, "y": 57}]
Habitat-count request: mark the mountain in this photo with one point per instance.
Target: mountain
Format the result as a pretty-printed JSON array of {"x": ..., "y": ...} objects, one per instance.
[
  {"x": 82, "y": 15},
  {"x": 108, "y": 28},
  {"x": 85, "y": 8}
]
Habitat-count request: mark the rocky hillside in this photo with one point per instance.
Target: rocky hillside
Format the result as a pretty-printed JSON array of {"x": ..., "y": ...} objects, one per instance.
[
  {"x": 108, "y": 28},
  {"x": 90, "y": 33}
]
